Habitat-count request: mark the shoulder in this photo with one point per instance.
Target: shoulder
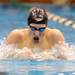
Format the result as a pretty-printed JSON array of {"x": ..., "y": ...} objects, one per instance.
[
  {"x": 56, "y": 31},
  {"x": 18, "y": 32},
  {"x": 56, "y": 35},
  {"x": 53, "y": 31}
]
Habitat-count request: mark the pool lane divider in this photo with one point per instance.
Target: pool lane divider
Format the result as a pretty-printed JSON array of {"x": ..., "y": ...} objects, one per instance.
[{"x": 61, "y": 20}]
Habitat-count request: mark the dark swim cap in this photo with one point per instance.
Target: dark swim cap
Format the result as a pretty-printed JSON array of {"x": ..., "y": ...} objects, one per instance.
[{"x": 37, "y": 16}]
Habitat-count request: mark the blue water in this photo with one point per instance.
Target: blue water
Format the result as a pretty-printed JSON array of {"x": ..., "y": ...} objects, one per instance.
[
  {"x": 11, "y": 18},
  {"x": 31, "y": 67}
]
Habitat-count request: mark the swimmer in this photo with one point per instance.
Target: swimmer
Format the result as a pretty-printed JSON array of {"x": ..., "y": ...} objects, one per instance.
[{"x": 37, "y": 35}]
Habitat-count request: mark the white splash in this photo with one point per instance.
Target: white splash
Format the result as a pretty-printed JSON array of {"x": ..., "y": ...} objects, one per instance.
[{"x": 63, "y": 52}]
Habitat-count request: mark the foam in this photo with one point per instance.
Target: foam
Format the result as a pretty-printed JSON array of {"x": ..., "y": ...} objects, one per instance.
[{"x": 62, "y": 52}]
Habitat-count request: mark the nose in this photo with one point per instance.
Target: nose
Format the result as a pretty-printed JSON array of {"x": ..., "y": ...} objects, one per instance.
[{"x": 37, "y": 33}]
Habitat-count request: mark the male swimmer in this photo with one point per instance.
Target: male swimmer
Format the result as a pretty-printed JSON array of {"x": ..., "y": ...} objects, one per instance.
[{"x": 37, "y": 35}]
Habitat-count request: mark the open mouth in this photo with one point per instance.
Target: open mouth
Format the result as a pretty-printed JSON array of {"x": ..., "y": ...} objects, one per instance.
[{"x": 36, "y": 38}]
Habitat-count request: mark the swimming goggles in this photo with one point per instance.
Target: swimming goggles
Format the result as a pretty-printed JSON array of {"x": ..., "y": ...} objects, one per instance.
[{"x": 39, "y": 29}]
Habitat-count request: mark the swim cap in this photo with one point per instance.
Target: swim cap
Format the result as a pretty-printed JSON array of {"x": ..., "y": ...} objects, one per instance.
[{"x": 37, "y": 16}]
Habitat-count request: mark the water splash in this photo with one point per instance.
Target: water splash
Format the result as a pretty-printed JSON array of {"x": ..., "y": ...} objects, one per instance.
[{"x": 63, "y": 52}]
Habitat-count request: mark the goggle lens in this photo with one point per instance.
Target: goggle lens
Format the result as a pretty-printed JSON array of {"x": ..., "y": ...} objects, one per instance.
[{"x": 40, "y": 29}]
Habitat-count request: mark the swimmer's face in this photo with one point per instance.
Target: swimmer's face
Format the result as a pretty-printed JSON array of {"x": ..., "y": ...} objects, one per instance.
[{"x": 37, "y": 30}]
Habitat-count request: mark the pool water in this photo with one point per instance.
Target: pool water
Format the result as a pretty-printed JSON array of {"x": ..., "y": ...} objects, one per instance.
[
  {"x": 31, "y": 67},
  {"x": 12, "y": 18}
]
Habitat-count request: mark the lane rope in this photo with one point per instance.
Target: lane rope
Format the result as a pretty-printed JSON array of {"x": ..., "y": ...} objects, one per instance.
[{"x": 61, "y": 20}]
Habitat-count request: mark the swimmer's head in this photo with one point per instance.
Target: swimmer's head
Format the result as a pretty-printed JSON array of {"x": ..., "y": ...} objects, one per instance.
[
  {"x": 37, "y": 22},
  {"x": 37, "y": 16}
]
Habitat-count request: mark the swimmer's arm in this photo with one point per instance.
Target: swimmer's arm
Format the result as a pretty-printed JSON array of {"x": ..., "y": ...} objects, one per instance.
[
  {"x": 58, "y": 37},
  {"x": 14, "y": 37}
]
